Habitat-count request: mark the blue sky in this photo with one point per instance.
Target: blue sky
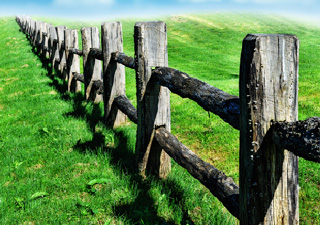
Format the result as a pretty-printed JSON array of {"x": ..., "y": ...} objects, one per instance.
[{"x": 91, "y": 9}]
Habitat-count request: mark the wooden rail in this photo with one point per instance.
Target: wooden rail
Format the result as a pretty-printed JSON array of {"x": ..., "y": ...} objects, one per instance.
[{"x": 271, "y": 138}]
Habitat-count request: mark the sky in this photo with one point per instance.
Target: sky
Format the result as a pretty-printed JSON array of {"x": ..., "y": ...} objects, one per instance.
[{"x": 93, "y": 9}]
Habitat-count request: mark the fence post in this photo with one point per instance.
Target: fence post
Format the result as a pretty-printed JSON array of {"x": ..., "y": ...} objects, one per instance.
[
  {"x": 92, "y": 70},
  {"x": 32, "y": 32},
  {"x": 42, "y": 40},
  {"x": 153, "y": 100},
  {"x": 36, "y": 34},
  {"x": 53, "y": 46},
  {"x": 268, "y": 91},
  {"x": 46, "y": 43},
  {"x": 61, "y": 47},
  {"x": 73, "y": 60},
  {"x": 113, "y": 72}
]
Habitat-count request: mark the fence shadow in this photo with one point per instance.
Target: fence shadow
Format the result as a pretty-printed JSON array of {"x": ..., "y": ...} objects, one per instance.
[
  {"x": 143, "y": 209},
  {"x": 144, "y": 206}
]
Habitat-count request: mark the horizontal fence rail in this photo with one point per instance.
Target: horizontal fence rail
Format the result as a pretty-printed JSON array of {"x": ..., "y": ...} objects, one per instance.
[{"x": 271, "y": 138}]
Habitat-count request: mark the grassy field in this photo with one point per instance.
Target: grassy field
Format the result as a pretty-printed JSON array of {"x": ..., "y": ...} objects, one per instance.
[{"x": 59, "y": 164}]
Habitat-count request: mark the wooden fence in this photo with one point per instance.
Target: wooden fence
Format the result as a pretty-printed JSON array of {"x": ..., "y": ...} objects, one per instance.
[{"x": 271, "y": 138}]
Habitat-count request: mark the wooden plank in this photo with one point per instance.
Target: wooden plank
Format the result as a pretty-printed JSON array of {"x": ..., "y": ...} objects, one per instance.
[
  {"x": 62, "y": 54},
  {"x": 91, "y": 67},
  {"x": 113, "y": 73},
  {"x": 268, "y": 91},
  {"x": 73, "y": 60},
  {"x": 153, "y": 100}
]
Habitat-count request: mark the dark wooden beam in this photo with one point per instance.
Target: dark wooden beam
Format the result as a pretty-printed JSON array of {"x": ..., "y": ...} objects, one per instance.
[
  {"x": 79, "y": 77},
  {"x": 96, "y": 53},
  {"x": 123, "y": 59},
  {"x": 301, "y": 138},
  {"x": 216, "y": 181},
  {"x": 76, "y": 51},
  {"x": 208, "y": 97},
  {"x": 125, "y": 106}
]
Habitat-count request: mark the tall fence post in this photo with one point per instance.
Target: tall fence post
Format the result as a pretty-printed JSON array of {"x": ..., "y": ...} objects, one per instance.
[
  {"x": 53, "y": 43},
  {"x": 92, "y": 70},
  {"x": 268, "y": 92},
  {"x": 113, "y": 72},
  {"x": 42, "y": 38},
  {"x": 73, "y": 60},
  {"x": 36, "y": 35},
  {"x": 153, "y": 100},
  {"x": 45, "y": 41},
  {"x": 61, "y": 47}
]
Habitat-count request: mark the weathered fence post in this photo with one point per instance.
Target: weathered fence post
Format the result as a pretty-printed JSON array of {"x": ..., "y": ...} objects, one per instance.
[
  {"x": 36, "y": 34},
  {"x": 32, "y": 32},
  {"x": 73, "y": 61},
  {"x": 153, "y": 100},
  {"x": 53, "y": 46},
  {"x": 113, "y": 72},
  {"x": 92, "y": 70},
  {"x": 45, "y": 41},
  {"x": 42, "y": 38},
  {"x": 61, "y": 47},
  {"x": 268, "y": 91}
]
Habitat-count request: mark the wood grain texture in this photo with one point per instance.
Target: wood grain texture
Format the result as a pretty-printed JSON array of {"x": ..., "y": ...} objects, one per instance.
[
  {"x": 91, "y": 66},
  {"x": 45, "y": 41},
  {"x": 113, "y": 73},
  {"x": 36, "y": 38},
  {"x": 268, "y": 92},
  {"x": 73, "y": 60},
  {"x": 153, "y": 100},
  {"x": 42, "y": 38},
  {"x": 53, "y": 46},
  {"x": 62, "y": 55}
]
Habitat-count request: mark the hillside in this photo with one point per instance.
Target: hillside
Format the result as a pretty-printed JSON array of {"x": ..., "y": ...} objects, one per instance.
[{"x": 52, "y": 143}]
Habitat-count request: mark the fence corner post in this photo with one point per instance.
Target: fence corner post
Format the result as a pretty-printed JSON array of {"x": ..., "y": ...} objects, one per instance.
[
  {"x": 268, "y": 92},
  {"x": 153, "y": 100}
]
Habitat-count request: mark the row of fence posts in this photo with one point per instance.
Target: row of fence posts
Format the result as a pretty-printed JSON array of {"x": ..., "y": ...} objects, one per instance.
[
  {"x": 60, "y": 45},
  {"x": 268, "y": 192}
]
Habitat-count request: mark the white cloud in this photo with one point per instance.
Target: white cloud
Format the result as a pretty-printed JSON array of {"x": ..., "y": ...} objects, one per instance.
[
  {"x": 256, "y": 1},
  {"x": 78, "y": 3},
  {"x": 199, "y": 1},
  {"x": 276, "y": 1}
]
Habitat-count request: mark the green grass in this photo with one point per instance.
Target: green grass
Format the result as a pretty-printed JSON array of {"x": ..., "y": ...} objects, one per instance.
[{"x": 53, "y": 143}]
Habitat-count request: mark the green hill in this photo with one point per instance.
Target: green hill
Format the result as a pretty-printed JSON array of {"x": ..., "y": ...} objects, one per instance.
[{"x": 53, "y": 144}]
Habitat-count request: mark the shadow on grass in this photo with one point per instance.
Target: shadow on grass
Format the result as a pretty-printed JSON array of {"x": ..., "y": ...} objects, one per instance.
[{"x": 144, "y": 208}]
